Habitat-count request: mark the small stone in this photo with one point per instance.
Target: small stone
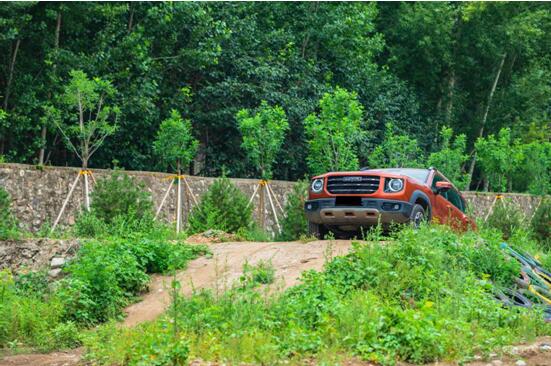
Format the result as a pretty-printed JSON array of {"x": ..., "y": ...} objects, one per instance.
[
  {"x": 54, "y": 272},
  {"x": 57, "y": 262},
  {"x": 492, "y": 355},
  {"x": 520, "y": 363},
  {"x": 545, "y": 347},
  {"x": 497, "y": 363}
]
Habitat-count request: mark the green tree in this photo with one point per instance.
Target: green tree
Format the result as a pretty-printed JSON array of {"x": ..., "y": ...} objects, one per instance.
[
  {"x": 86, "y": 102},
  {"x": 534, "y": 172},
  {"x": 263, "y": 134},
  {"x": 332, "y": 133},
  {"x": 451, "y": 157},
  {"x": 499, "y": 157},
  {"x": 397, "y": 151},
  {"x": 175, "y": 143}
]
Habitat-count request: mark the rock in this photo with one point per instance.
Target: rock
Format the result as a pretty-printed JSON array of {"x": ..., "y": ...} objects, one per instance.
[
  {"x": 57, "y": 262},
  {"x": 545, "y": 347},
  {"x": 520, "y": 363},
  {"x": 497, "y": 363},
  {"x": 54, "y": 272}
]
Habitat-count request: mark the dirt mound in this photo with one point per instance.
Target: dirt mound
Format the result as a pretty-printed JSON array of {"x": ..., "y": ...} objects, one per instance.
[{"x": 211, "y": 236}]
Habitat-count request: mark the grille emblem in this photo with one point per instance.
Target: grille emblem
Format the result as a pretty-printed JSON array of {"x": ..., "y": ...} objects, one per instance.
[{"x": 351, "y": 179}]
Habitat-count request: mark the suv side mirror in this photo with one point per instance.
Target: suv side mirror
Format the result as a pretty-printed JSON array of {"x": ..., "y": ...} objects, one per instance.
[{"x": 443, "y": 187}]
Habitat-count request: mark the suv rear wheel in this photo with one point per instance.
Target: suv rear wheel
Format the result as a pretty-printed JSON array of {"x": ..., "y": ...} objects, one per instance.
[
  {"x": 316, "y": 230},
  {"x": 417, "y": 216}
]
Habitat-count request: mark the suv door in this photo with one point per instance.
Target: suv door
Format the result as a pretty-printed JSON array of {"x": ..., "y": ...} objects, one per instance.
[
  {"x": 440, "y": 206},
  {"x": 457, "y": 216}
]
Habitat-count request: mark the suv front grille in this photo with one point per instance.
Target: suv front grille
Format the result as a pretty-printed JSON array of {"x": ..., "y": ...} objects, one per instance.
[{"x": 353, "y": 184}]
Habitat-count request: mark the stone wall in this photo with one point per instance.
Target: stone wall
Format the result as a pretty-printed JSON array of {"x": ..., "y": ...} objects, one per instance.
[
  {"x": 479, "y": 204},
  {"x": 37, "y": 254},
  {"x": 38, "y": 194}
]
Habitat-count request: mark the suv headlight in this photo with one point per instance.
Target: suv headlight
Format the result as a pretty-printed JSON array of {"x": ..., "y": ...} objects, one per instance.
[
  {"x": 395, "y": 185},
  {"x": 317, "y": 185}
]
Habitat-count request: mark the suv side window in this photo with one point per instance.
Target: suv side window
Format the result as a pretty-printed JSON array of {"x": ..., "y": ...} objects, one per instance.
[
  {"x": 438, "y": 178},
  {"x": 455, "y": 199}
]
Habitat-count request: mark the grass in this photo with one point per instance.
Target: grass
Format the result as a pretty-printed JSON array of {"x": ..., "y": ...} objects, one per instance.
[{"x": 424, "y": 297}]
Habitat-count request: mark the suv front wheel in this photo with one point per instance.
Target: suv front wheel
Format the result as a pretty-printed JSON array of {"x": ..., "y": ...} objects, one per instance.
[
  {"x": 316, "y": 230},
  {"x": 417, "y": 216}
]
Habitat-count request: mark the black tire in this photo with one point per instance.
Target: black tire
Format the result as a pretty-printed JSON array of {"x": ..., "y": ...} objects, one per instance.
[
  {"x": 417, "y": 216},
  {"x": 317, "y": 230}
]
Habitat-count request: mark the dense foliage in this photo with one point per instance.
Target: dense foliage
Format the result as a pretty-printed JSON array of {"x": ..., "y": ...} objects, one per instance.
[
  {"x": 474, "y": 67},
  {"x": 425, "y": 297},
  {"x": 222, "y": 207}
]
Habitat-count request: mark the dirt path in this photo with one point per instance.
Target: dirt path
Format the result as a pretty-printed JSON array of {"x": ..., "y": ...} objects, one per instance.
[{"x": 226, "y": 266}]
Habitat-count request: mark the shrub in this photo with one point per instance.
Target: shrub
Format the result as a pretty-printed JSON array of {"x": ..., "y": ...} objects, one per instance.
[
  {"x": 8, "y": 224},
  {"x": 541, "y": 222},
  {"x": 505, "y": 217},
  {"x": 33, "y": 284},
  {"x": 294, "y": 224},
  {"x": 120, "y": 195},
  {"x": 262, "y": 273},
  {"x": 106, "y": 276},
  {"x": 119, "y": 206},
  {"x": 222, "y": 207}
]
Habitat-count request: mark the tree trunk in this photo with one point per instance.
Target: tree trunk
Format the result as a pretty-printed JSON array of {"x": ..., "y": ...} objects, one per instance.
[
  {"x": 10, "y": 74},
  {"x": 486, "y": 185},
  {"x": 307, "y": 38},
  {"x": 44, "y": 132},
  {"x": 449, "y": 104},
  {"x": 485, "y": 115},
  {"x": 131, "y": 18}
]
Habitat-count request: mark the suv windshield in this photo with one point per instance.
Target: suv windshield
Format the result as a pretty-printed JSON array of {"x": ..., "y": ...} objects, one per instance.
[{"x": 419, "y": 174}]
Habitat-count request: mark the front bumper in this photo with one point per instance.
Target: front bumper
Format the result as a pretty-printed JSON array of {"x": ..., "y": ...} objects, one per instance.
[{"x": 371, "y": 212}]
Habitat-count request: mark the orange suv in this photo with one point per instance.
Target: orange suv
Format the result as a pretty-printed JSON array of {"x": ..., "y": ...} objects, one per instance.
[{"x": 346, "y": 202}]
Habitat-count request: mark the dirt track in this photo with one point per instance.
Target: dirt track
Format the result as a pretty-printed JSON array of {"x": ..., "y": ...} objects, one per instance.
[{"x": 226, "y": 266}]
